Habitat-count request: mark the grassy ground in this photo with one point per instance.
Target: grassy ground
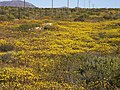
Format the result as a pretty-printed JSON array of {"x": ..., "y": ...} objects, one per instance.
[{"x": 62, "y": 56}]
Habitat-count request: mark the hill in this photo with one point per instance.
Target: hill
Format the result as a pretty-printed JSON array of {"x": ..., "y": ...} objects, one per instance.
[
  {"x": 64, "y": 14},
  {"x": 16, "y": 3}
]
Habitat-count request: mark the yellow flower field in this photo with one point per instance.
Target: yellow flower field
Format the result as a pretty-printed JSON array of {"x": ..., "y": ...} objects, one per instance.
[{"x": 62, "y": 56}]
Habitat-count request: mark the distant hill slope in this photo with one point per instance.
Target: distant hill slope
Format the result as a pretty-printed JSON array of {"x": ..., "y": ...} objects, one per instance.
[{"x": 16, "y": 3}]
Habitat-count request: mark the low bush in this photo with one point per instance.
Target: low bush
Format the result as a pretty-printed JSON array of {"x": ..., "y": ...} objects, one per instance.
[
  {"x": 26, "y": 27},
  {"x": 82, "y": 17},
  {"x": 3, "y": 18},
  {"x": 90, "y": 70},
  {"x": 6, "y": 46},
  {"x": 6, "y": 56},
  {"x": 11, "y": 17},
  {"x": 49, "y": 27}
]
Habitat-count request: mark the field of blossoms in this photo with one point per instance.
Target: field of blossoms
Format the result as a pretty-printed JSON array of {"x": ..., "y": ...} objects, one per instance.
[{"x": 59, "y": 55}]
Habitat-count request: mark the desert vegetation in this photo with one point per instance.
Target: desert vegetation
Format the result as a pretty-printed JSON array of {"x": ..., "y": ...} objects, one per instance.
[
  {"x": 74, "y": 49},
  {"x": 64, "y": 14}
]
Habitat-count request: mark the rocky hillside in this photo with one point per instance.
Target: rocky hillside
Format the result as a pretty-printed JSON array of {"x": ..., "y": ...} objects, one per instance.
[{"x": 16, "y": 3}]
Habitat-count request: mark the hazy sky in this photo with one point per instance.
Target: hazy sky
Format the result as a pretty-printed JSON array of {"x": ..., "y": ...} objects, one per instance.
[{"x": 62, "y": 3}]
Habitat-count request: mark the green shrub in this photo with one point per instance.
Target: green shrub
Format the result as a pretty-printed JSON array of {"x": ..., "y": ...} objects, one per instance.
[
  {"x": 91, "y": 70},
  {"x": 49, "y": 27},
  {"x": 82, "y": 17},
  {"x": 3, "y": 18},
  {"x": 108, "y": 17},
  {"x": 6, "y": 46},
  {"x": 5, "y": 57},
  {"x": 11, "y": 17},
  {"x": 26, "y": 27}
]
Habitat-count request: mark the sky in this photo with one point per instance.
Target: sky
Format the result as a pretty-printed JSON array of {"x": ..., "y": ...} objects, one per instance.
[{"x": 73, "y": 3}]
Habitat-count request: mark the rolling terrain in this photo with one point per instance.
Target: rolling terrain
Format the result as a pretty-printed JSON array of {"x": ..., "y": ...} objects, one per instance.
[
  {"x": 59, "y": 55},
  {"x": 16, "y": 3},
  {"x": 60, "y": 14}
]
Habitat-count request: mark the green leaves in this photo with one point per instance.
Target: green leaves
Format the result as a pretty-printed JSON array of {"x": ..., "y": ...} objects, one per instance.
[
  {"x": 28, "y": 27},
  {"x": 6, "y": 46}
]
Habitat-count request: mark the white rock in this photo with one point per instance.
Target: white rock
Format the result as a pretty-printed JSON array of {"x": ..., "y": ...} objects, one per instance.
[
  {"x": 48, "y": 24},
  {"x": 37, "y": 27}
]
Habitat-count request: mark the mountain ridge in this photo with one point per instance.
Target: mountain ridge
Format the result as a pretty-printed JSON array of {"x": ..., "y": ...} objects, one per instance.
[{"x": 16, "y": 3}]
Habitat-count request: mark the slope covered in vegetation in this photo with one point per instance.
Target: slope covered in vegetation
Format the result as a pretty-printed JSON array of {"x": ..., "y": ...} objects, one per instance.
[
  {"x": 62, "y": 56},
  {"x": 69, "y": 14}
]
